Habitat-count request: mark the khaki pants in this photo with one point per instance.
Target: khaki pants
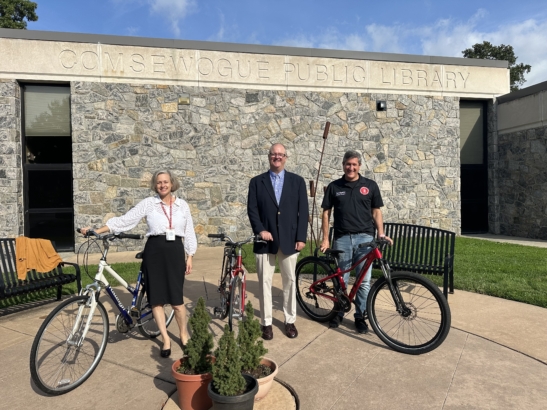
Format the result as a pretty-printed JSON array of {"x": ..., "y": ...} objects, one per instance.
[{"x": 265, "y": 266}]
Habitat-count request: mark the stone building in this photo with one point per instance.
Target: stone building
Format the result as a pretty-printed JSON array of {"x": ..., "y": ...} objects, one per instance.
[
  {"x": 86, "y": 119},
  {"x": 521, "y": 190}
]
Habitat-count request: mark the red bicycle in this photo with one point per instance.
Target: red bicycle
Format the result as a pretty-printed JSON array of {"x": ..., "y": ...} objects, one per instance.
[
  {"x": 407, "y": 311},
  {"x": 232, "y": 284}
]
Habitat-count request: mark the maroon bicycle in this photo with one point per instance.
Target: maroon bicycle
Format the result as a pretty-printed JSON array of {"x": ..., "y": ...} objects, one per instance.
[{"x": 407, "y": 312}]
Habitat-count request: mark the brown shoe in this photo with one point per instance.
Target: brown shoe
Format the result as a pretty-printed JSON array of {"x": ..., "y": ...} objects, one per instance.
[
  {"x": 290, "y": 330},
  {"x": 267, "y": 332}
]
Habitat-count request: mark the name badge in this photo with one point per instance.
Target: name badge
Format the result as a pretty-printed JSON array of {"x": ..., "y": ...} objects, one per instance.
[{"x": 169, "y": 234}]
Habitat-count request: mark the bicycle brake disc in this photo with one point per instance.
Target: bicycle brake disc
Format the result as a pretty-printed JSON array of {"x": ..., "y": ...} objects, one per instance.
[{"x": 121, "y": 325}]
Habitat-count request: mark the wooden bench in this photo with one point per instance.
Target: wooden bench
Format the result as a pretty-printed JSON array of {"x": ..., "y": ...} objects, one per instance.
[
  {"x": 11, "y": 285},
  {"x": 423, "y": 250}
]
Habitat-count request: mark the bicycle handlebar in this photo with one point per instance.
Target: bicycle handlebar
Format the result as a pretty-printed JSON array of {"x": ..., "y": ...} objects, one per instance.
[
  {"x": 111, "y": 236},
  {"x": 230, "y": 242}
]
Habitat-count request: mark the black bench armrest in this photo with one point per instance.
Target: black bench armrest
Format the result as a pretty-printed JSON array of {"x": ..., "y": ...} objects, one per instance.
[{"x": 78, "y": 275}]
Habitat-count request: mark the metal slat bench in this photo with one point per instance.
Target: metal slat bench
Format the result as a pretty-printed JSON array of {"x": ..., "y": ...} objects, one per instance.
[
  {"x": 11, "y": 285},
  {"x": 423, "y": 250}
]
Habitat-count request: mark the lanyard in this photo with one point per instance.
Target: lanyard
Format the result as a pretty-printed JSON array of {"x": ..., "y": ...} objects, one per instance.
[{"x": 170, "y": 217}]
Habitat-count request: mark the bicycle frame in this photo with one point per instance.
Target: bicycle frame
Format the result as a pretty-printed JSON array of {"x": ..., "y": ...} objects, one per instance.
[
  {"x": 369, "y": 259},
  {"x": 236, "y": 268}
]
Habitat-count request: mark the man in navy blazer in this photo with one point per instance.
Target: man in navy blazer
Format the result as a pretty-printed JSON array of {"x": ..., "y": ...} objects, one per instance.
[{"x": 278, "y": 211}]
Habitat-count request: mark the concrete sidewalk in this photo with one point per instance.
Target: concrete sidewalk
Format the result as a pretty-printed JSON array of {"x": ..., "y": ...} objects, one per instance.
[{"x": 494, "y": 357}]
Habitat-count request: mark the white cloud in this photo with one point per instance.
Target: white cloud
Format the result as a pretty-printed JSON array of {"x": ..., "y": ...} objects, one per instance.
[
  {"x": 173, "y": 11},
  {"x": 445, "y": 37}
]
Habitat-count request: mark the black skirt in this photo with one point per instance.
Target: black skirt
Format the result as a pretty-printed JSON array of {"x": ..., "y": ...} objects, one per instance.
[{"x": 164, "y": 267}]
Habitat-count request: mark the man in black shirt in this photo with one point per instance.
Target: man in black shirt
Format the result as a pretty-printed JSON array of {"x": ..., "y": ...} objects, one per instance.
[{"x": 356, "y": 201}]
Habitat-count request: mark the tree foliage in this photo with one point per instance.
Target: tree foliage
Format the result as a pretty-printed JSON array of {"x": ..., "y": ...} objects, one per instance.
[
  {"x": 227, "y": 378},
  {"x": 14, "y": 12},
  {"x": 200, "y": 344},
  {"x": 488, "y": 51},
  {"x": 252, "y": 349}
]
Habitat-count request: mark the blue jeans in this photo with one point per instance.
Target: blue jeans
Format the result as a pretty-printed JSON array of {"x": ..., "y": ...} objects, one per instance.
[{"x": 352, "y": 253}]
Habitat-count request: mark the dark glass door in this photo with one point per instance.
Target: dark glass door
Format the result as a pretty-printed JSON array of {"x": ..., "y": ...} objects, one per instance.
[
  {"x": 49, "y": 210},
  {"x": 474, "y": 167}
]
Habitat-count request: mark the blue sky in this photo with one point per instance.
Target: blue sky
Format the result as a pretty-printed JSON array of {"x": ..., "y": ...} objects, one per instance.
[{"x": 440, "y": 28}]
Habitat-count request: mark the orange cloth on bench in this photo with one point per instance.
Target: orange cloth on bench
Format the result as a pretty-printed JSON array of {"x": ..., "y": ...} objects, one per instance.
[{"x": 38, "y": 254}]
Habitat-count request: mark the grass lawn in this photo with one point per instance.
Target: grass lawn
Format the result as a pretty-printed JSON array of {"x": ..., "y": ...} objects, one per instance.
[
  {"x": 503, "y": 270},
  {"x": 508, "y": 271},
  {"x": 128, "y": 271}
]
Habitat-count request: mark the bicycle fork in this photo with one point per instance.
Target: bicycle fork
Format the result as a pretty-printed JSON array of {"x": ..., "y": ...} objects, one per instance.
[
  {"x": 394, "y": 290},
  {"x": 91, "y": 304}
]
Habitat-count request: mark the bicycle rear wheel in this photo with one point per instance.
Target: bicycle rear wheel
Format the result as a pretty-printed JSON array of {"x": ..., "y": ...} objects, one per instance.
[
  {"x": 146, "y": 322},
  {"x": 317, "y": 307},
  {"x": 236, "y": 297},
  {"x": 422, "y": 327},
  {"x": 57, "y": 364}
]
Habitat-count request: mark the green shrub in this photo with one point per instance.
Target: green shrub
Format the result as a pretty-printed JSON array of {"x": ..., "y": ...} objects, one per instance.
[
  {"x": 227, "y": 378},
  {"x": 198, "y": 349}
]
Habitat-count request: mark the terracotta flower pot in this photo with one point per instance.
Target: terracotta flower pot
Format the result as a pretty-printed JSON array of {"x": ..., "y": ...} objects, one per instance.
[
  {"x": 265, "y": 383},
  {"x": 192, "y": 389}
]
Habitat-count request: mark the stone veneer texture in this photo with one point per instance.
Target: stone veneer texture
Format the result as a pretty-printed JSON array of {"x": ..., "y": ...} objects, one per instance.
[
  {"x": 122, "y": 133},
  {"x": 522, "y": 180},
  {"x": 11, "y": 202}
]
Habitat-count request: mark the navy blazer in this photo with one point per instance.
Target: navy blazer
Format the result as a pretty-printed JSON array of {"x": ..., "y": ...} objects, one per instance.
[{"x": 287, "y": 222}]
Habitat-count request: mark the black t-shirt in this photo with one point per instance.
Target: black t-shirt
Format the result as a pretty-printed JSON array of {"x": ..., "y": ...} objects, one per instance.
[{"x": 353, "y": 203}]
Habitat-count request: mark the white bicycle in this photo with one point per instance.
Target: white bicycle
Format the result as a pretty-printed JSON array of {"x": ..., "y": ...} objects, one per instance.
[{"x": 71, "y": 342}]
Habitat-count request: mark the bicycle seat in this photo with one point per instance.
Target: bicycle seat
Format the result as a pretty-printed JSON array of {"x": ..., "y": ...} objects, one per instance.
[
  {"x": 139, "y": 255},
  {"x": 333, "y": 252}
]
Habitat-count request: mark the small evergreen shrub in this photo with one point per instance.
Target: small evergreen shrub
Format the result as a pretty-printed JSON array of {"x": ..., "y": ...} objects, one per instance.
[
  {"x": 198, "y": 348},
  {"x": 252, "y": 349},
  {"x": 227, "y": 378}
]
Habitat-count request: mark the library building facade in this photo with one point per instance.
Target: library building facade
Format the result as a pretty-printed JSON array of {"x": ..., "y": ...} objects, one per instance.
[{"x": 85, "y": 120}]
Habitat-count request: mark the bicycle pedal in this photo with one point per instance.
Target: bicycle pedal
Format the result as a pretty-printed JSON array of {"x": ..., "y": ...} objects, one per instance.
[{"x": 134, "y": 312}]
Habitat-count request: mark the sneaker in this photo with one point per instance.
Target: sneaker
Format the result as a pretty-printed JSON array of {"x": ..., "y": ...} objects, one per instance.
[
  {"x": 335, "y": 322},
  {"x": 361, "y": 326}
]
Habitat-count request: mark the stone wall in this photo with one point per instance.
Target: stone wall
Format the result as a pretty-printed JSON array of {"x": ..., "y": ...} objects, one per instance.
[
  {"x": 122, "y": 133},
  {"x": 523, "y": 183},
  {"x": 11, "y": 204},
  {"x": 493, "y": 168}
]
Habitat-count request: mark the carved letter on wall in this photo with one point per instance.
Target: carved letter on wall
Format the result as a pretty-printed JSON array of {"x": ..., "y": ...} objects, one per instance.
[
  {"x": 248, "y": 69},
  {"x": 407, "y": 76},
  {"x": 260, "y": 69},
  {"x": 451, "y": 76},
  {"x": 436, "y": 79},
  {"x": 119, "y": 60},
  {"x": 179, "y": 62},
  {"x": 464, "y": 78},
  {"x": 422, "y": 75},
  {"x": 90, "y": 60},
  {"x": 322, "y": 74},
  {"x": 299, "y": 76},
  {"x": 342, "y": 74},
  {"x": 356, "y": 74},
  {"x": 138, "y": 59},
  {"x": 289, "y": 68},
  {"x": 68, "y": 59},
  {"x": 205, "y": 66},
  {"x": 224, "y": 68},
  {"x": 158, "y": 63},
  {"x": 384, "y": 79}
]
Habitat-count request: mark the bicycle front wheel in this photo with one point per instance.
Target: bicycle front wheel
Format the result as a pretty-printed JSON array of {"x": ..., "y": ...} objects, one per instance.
[
  {"x": 59, "y": 361},
  {"x": 236, "y": 298},
  {"x": 146, "y": 322},
  {"x": 424, "y": 322},
  {"x": 316, "y": 305}
]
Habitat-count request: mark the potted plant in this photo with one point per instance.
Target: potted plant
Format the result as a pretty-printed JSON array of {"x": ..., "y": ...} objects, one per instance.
[
  {"x": 229, "y": 388},
  {"x": 252, "y": 352},
  {"x": 193, "y": 371}
]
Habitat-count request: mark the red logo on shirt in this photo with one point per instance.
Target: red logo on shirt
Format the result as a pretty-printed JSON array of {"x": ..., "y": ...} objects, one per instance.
[{"x": 364, "y": 191}]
